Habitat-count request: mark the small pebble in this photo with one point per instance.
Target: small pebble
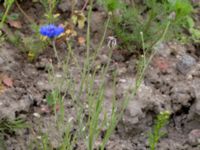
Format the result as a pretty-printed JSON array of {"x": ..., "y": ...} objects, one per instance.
[
  {"x": 185, "y": 63},
  {"x": 70, "y": 119},
  {"x": 122, "y": 80},
  {"x": 58, "y": 75},
  {"x": 37, "y": 115},
  {"x": 194, "y": 137},
  {"x": 39, "y": 137}
]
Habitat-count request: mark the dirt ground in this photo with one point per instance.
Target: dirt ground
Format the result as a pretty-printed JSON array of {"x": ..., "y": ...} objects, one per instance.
[{"x": 172, "y": 82}]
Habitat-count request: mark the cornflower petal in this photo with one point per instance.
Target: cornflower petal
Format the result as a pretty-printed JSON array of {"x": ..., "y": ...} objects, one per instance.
[{"x": 51, "y": 31}]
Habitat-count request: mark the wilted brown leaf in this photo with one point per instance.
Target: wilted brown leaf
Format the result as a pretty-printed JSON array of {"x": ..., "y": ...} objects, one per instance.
[{"x": 15, "y": 24}]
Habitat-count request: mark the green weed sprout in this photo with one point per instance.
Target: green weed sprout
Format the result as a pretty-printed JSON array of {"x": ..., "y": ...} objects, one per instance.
[
  {"x": 8, "y": 126},
  {"x": 155, "y": 135},
  {"x": 12, "y": 126},
  {"x": 111, "y": 5}
]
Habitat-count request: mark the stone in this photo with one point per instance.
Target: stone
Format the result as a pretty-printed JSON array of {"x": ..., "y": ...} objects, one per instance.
[
  {"x": 37, "y": 115},
  {"x": 181, "y": 94},
  {"x": 194, "y": 137},
  {"x": 10, "y": 106},
  {"x": 185, "y": 64},
  {"x": 134, "y": 112}
]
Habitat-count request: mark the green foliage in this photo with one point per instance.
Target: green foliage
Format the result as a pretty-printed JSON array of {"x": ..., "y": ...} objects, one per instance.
[
  {"x": 12, "y": 16},
  {"x": 50, "y": 6},
  {"x": 7, "y": 5},
  {"x": 194, "y": 31},
  {"x": 150, "y": 17},
  {"x": 54, "y": 98},
  {"x": 156, "y": 133},
  {"x": 12, "y": 126},
  {"x": 41, "y": 144},
  {"x": 182, "y": 8},
  {"x": 111, "y": 5},
  {"x": 33, "y": 46}
]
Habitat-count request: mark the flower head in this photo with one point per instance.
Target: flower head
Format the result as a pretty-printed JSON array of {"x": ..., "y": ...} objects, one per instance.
[
  {"x": 112, "y": 42},
  {"x": 51, "y": 30}
]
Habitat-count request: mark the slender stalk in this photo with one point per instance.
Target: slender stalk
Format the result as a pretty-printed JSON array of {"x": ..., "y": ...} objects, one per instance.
[
  {"x": 143, "y": 46},
  {"x": 102, "y": 39},
  {"x": 5, "y": 15},
  {"x": 88, "y": 30},
  {"x": 55, "y": 50},
  {"x": 24, "y": 13},
  {"x": 141, "y": 74},
  {"x": 85, "y": 5},
  {"x": 72, "y": 54},
  {"x": 86, "y": 62}
]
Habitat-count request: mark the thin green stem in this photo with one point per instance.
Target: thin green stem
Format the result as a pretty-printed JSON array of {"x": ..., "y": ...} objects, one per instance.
[
  {"x": 4, "y": 16},
  {"x": 72, "y": 54},
  {"x": 55, "y": 50},
  {"x": 102, "y": 39},
  {"x": 86, "y": 62},
  {"x": 141, "y": 74}
]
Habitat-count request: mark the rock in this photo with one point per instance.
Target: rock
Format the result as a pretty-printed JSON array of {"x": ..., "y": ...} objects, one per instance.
[
  {"x": 181, "y": 95},
  {"x": 104, "y": 59},
  {"x": 185, "y": 64},
  {"x": 197, "y": 107},
  {"x": 66, "y": 5},
  {"x": 118, "y": 57},
  {"x": 132, "y": 121},
  {"x": 10, "y": 105},
  {"x": 133, "y": 112},
  {"x": 1, "y": 61},
  {"x": 194, "y": 137},
  {"x": 169, "y": 144},
  {"x": 6, "y": 59},
  {"x": 37, "y": 115}
]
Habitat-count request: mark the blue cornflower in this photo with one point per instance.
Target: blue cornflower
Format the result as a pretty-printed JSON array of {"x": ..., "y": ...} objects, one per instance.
[{"x": 51, "y": 30}]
